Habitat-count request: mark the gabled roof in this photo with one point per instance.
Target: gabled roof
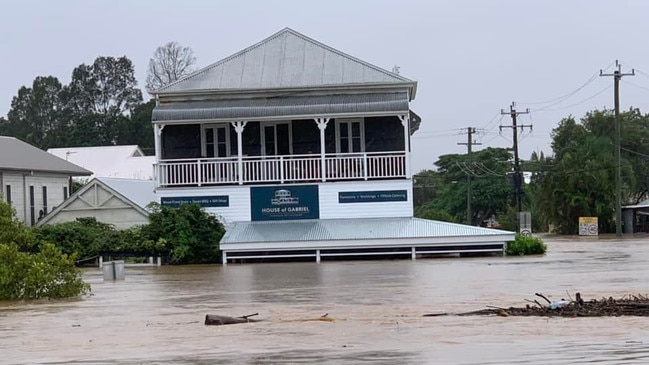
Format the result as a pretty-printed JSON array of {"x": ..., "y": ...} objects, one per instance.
[
  {"x": 287, "y": 59},
  {"x": 21, "y": 156},
  {"x": 135, "y": 193},
  {"x": 126, "y": 161}
]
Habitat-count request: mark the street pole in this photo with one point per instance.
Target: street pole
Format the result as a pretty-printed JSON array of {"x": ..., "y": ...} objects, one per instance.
[
  {"x": 517, "y": 168},
  {"x": 469, "y": 143},
  {"x": 617, "y": 76}
]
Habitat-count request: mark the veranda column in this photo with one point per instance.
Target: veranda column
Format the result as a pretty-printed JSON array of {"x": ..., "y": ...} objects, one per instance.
[
  {"x": 157, "y": 140},
  {"x": 405, "y": 122},
  {"x": 238, "y": 127},
  {"x": 322, "y": 125}
]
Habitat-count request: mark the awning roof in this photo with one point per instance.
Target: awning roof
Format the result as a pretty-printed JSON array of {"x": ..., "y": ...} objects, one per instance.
[
  {"x": 298, "y": 106},
  {"x": 352, "y": 229}
]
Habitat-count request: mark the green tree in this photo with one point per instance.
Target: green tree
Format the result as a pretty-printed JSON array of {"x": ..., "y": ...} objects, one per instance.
[
  {"x": 29, "y": 270},
  {"x": 37, "y": 113},
  {"x": 46, "y": 274},
  {"x": 580, "y": 179},
  {"x": 138, "y": 129},
  {"x": 12, "y": 230},
  {"x": 490, "y": 193},
  {"x": 100, "y": 99}
]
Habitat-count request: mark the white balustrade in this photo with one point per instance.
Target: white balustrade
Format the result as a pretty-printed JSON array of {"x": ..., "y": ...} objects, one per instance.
[{"x": 281, "y": 169}]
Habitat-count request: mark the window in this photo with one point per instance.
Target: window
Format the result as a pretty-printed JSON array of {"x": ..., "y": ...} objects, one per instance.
[
  {"x": 350, "y": 134},
  {"x": 65, "y": 192},
  {"x": 44, "y": 200},
  {"x": 216, "y": 140},
  {"x": 277, "y": 139},
  {"x": 31, "y": 205},
  {"x": 8, "y": 195}
]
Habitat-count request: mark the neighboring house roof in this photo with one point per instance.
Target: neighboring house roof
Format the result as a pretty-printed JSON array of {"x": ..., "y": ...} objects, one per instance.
[
  {"x": 21, "y": 156},
  {"x": 287, "y": 59},
  {"x": 110, "y": 161},
  {"x": 140, "y": 192},
  {"x": 131, "y": 192},
  {"x": 354, "y": 229},
  {"x": 642, "y": 204}
]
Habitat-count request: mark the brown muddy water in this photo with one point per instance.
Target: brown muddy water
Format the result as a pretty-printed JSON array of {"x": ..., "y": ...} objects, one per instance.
[{"x": 156, "y": 315}]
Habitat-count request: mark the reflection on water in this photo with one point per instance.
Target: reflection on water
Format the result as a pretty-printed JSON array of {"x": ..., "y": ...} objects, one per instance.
[{"x": 156, "y": 314}]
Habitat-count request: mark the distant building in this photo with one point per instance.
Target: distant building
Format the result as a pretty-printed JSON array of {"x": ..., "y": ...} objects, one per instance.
[
  {"x": 128, "y": 162},
  {"x": 302, "y": 151},
  {"x": 32, "y": 180},
  {"x": 120, "y": 202}
]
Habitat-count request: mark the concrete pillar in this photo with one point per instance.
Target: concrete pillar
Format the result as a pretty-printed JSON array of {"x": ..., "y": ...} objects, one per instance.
[{"x": 317, "y": 256}]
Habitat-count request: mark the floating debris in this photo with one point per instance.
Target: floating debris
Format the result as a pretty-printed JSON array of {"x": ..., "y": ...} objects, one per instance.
[{"x": 631, "y": 305}]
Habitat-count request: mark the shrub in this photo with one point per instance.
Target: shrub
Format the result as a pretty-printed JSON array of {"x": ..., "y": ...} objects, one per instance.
[
  {"x": 436, "y": 215},
  {"x": 526, "y": 245},
  {"x": 190, "y": 233},
  {"x": 46, "y": 274}
]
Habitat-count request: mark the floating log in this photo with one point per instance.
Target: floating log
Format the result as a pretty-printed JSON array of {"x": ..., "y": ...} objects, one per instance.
[{"x": 217, "y": 320}]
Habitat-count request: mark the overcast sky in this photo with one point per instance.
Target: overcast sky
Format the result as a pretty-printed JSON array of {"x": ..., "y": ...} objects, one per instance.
[{"x": 470, "y": 58}]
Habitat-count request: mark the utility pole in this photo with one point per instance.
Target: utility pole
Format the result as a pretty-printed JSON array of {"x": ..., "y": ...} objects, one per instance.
[
  {"x": 617, "y": 76},
  {"x": 469, "y": 143},
  {"x": 517, "y": 168}
]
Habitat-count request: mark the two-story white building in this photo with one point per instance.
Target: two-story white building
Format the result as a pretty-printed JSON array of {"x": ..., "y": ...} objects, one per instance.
[
  {"x": 32, "y": 180},
  {"x": 302, "y": 151}
]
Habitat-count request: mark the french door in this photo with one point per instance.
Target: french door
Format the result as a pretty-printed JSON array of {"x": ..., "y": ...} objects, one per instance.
[
  {"x": 350, "y": 135},
  {"x": 276, "y": 139},
  {"x": 216, "y": 140}
]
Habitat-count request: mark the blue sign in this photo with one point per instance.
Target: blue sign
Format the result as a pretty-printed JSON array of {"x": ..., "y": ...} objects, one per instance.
[
  {"x": 284, "y": 202},
  {"x": 372, "y": 196},
  {"x": 203, "y": 201}
]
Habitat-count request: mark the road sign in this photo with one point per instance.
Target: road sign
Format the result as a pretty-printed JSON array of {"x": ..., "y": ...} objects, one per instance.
[{"x": 588, "y": 226}]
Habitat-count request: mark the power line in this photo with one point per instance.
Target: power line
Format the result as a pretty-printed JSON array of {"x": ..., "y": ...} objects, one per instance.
[
  {"x": 571, "y": 105},
  {"x": 561, "y": 98}
]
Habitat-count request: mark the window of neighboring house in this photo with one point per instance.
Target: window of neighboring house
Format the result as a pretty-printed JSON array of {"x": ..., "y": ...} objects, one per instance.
[
  {"x": 32, "y": 208},
  {"x": 44, "y": 200},
  {"x": 65, "y": 192},
  {"x": 8, "y": 195}
]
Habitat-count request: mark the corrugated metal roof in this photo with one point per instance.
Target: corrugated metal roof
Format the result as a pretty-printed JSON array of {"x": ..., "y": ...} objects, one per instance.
[
  {"x": 126, "y": 161},
  {"x": 18, "y": 155},
  {"x": 296, "y": 106},
  {"x": 286, "y": 59},
  {"x": 351, "y": 229},
  {"x": 140, "y": 192}
]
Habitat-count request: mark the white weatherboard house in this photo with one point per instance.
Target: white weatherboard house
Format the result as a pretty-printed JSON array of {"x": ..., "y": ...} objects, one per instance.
[
  {"x": 32, "y": 180},
  {"x": 120, "y": 202},
  {"x": 302, "y": 151}
]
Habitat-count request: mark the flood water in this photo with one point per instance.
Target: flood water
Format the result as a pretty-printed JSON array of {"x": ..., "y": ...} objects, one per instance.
[{"x": 156, "y": 315}]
